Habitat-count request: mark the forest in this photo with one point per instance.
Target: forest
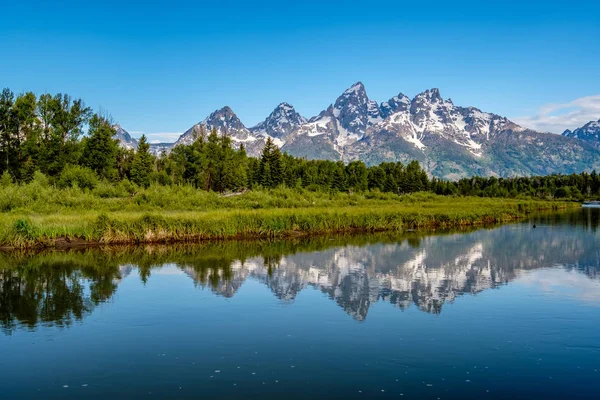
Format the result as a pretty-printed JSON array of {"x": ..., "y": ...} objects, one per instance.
[{"x": 58, "y": 139}]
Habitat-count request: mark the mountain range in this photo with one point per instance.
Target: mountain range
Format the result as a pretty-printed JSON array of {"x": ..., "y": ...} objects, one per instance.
[
  {"x": 449, "y": 141},
  {"x": 590, "y": 132}
]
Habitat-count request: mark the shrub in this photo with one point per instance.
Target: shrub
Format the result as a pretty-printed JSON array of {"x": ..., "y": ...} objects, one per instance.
[
  {"x": 562, "y": 192},
  {"x": 77, "y": 176},
  {"x": 40, "y": 180},
  {"x": 162, "y": 178},
  {"x": 6, "y": 179},
  {"x": 107, "y": 190},
  {"x": 127, "y": 186}
]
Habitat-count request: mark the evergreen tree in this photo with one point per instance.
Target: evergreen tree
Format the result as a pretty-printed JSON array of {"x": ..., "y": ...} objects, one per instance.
[
  {"x": 214, "y": 160},
  {"x": 357, "y": 176},
  {"x": 233, "y": 169},
  {"x": 271, "y": 166},
  {"x": 100, "y": 149},
  {"x": 124, "y": 160},
  {"x": 142, "y": 164},
  {"x": 339, "y": 177},
  {"x": 27, "y": 152},
  {"x": 376, "y": 178},
  {"x": 8, "y": 129}
]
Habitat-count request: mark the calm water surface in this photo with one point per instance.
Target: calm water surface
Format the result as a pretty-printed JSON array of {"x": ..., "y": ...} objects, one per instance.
[{"x": 508, "y": 312}]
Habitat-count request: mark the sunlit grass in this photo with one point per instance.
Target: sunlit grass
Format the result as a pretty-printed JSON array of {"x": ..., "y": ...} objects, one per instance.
[{"x": 39, "y": 216}]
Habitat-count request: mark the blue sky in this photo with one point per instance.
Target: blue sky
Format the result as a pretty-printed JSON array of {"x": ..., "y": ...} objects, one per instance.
[{"x": 160, "y": 67}]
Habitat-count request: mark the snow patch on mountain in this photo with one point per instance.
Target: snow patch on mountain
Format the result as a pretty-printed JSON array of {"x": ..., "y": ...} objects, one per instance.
[
  {"x": 449, "y": 140},
  {"x": 279, "y": 124},
  {"x": 590, "y": 132}
]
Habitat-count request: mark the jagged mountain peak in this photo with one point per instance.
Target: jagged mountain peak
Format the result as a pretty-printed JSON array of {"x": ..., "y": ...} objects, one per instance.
[
  {"x": 285, "y": 106},
  {"x": 450, "y": 141},
  {"x": 353, "y": 113},
  {"x": 124, "y": 138},
  {"x": 589, "y": 132},
  {"x": 282, "y": 121},
  {"x": 429, "y": 95},
  {"x": 224, "y": 121},
  {"x": 225, "y": 113},
  {"x": 358, "y": 87},
  {"x": 284, "y": 109},
  {"x": 356, "y": 91},
  {"x": 401, "y": 102}
]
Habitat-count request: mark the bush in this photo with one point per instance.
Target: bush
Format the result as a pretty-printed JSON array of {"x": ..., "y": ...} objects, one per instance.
[
  {"x": 77, "y": 176},
  {"x": 6, "y": 179},
  {"x": 562, "y": 192},
  {"x": 40, "y": 180},
  {"x": 128, "y": 187},
  {"x": 106, "y": 190},
  {"x": 161, "y": 178}
]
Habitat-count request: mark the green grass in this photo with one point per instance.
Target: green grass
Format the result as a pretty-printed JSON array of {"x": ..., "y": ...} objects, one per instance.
[{"x": 39, "y": 215}]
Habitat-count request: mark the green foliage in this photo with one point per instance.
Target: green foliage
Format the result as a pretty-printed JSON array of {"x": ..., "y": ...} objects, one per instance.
[
  {"x": 6, "y": 179},
  {"x": 77, "y": 176},
  {"x": 142, "y": 164},
  {"x": 161, "y": 178},
  {"x": 195, "y": 215},
  {"x": 39, "y": 179},
  {"x": 42, "y": 135},
  {"x": 100, "y": 149},
  {"x": 270, "y": 173}
]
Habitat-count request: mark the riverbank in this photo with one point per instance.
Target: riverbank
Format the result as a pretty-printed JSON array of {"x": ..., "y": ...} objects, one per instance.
[{"x": 136, "y": 223}]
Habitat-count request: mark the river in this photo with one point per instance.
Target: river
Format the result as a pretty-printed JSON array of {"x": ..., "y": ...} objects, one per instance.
[{"x": 510, "y": 311}]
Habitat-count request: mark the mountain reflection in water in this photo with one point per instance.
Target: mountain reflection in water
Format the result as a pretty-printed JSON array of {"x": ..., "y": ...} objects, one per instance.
[{"x": 58, "y": 288}]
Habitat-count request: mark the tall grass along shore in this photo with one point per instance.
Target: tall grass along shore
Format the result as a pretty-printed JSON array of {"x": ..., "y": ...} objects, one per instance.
[{"x": 40, "y": 215}]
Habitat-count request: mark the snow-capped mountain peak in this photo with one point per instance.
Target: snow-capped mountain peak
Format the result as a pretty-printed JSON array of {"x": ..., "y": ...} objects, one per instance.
[
  {"x": 590, "y": 132},
  {"x": 395, "y": 104},
  {"x": 357, "y": 88},
  {"x": 450, "y": 141},
  {"x": 373, "y": 113},
  {"x": 225, "y": 121},
  {"x": 351, "y": 112},
  {"x": 279, "y": 124}
]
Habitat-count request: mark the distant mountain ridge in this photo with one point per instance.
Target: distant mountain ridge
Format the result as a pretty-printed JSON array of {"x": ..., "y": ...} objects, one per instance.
[
  {"x": 449, "y": 141},
  {"x": 124, "y": 138},
  {"x": 590, "y": 132}
]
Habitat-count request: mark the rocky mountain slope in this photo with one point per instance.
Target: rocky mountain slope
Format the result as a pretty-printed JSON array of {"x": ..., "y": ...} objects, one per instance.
[
  {"x": 124, "y": 138},
  {"x": 450, "y": 141},
  {"x": 590, "y": 132}
]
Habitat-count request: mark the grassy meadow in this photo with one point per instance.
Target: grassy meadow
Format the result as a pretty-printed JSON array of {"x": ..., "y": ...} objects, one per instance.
[{"x": 41, "y": 215}]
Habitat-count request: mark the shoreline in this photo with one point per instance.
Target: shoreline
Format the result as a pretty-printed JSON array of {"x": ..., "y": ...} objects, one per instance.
[{"x": 65, "y": 231}]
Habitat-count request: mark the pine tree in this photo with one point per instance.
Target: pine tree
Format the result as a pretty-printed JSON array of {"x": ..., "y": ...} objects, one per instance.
[
  {"x": 276, "y": 166},
  {"x": 357, "y": 176},
  {"x": 142, "y": 164},
  {"x": 376, "y": 178},
  {"x": 213, "y": 152},
  {"x": 8, "y": 129},
  {"x": 271, "y": 165},
  {"x": 339, "y": 177},
  {"x": 100, "y": 149}
]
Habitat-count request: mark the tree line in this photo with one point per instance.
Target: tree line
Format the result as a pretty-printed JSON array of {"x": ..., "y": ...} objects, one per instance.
[{"x": 45, "y": 135}]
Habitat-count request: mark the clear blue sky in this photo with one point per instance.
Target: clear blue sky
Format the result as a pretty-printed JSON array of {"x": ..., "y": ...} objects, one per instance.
[{"x": 163, "y": 66}]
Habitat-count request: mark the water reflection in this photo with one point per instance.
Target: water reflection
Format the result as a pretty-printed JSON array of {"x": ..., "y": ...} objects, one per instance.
[
  {"x": 53, "y": 292},
  {"x": 58, "y": 288}
]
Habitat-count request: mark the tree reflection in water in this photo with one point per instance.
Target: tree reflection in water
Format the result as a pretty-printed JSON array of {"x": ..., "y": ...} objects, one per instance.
[{"x": 59, "y": 288}]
